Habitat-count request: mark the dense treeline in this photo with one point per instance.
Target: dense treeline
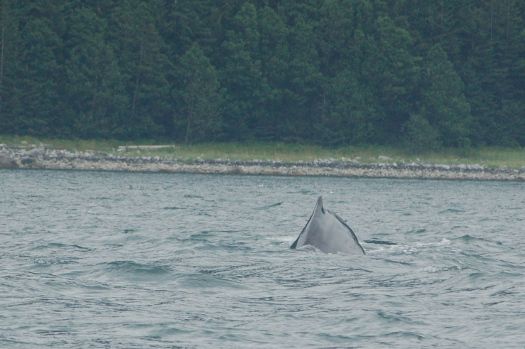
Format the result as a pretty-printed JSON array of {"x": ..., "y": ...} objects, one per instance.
[{"x": 425, "y": 73}]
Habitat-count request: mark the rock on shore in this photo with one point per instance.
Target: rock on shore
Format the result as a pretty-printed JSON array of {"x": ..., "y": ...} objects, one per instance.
[
  {"x": 46, "y": 158},
  {"x": 6, "y": 159}
]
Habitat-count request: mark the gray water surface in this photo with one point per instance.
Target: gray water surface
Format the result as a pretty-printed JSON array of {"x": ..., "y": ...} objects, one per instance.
[{"x": 121, "y": 260}]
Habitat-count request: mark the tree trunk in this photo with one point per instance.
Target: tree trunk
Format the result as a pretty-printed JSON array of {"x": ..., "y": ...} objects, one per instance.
[
  {"x": 189, "y": 120},
  {"x": 188, "y": 126},
  {"x": 137, "y": 80}
]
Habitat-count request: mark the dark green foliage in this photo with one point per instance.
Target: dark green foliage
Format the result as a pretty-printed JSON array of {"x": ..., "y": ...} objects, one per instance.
[
  {"x": 241, "y": 74},
  {"x": 349, "y": 112},
  {"x": 420, "y": 135},
  {"x": 33, "y": 101},
  {"x": 424, "y": 74},
  {"x": 443, "y": 102},
  {"x": 93, "y": 82},
  {"x": 143, "y": 65},
  {"x": 392, "y": 71},
  {"x": 9, "y": 40},
  {"x": 199, "y": 99},
  {"x": 274, "y": 55}
]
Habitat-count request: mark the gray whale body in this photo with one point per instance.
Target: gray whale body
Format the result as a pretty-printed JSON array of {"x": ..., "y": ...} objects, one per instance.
[{"x": 328, "y": 232}]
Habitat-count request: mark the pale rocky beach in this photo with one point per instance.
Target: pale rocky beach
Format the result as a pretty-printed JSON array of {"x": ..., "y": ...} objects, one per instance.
[{"x": 41, "y": 157}]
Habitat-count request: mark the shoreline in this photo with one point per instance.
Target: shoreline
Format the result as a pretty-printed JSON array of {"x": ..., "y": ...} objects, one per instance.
[{"x": 55, "y": 159}]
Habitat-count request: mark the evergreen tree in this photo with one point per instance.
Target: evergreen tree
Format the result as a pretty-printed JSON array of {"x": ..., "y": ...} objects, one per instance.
[
  {"x": 37, "y": 108},
  {"x": 424, "y": 73},
  {"x": 393, "y": 71},
  {"x": 420, "y": 135},
  {"x": 241, "y": 74},
  {"x": 274, "y": 56},
  {"x": 9, "y": 58},
  {"x": 143, "y": 64},
  {"x": 199, "y": 100},
  {"x": 304, "y": 83},
  {"x": 337, "y": 47},
  {"x": 348, "y": 116},
  {"x": 93, "y": 84},
  {"x": 444, "y": 104}
]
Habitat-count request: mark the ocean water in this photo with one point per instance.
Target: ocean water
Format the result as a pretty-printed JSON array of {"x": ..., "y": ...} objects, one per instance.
[{"x": 122, "y": 260}]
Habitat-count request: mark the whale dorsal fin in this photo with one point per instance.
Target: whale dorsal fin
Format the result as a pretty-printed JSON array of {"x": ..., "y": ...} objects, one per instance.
[
  {"x": 318, "y": 205},
  {"x": 328, "y": 232}
]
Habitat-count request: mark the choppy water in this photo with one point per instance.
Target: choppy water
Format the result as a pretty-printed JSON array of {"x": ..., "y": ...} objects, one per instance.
[{"x": 119, "y": 260}]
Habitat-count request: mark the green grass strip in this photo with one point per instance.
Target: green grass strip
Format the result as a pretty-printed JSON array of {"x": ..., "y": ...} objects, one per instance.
[{"x": 494, "y": 157}]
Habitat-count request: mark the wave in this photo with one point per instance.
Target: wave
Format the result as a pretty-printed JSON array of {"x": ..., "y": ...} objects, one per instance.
[
  {"x": 136, "y": 271},
  {"x": 270, "y": 206},
  {"x": 59, "y": 245}
]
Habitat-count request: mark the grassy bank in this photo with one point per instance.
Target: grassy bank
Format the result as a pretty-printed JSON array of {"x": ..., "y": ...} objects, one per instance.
[{"x": 486, "y": 156}]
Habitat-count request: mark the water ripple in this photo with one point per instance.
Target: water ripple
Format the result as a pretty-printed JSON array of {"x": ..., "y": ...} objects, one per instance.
[{"x": 118, "y": 260}]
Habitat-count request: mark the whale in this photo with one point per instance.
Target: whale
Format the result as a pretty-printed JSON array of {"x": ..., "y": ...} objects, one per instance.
[{"x": 328, "y": 232}]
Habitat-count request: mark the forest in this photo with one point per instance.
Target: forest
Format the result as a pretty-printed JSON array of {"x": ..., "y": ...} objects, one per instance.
[{"x": 425, "y": 74}]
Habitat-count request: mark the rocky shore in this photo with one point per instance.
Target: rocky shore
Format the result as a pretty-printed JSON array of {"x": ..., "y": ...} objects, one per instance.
[{"x": 38, "y": 157}]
